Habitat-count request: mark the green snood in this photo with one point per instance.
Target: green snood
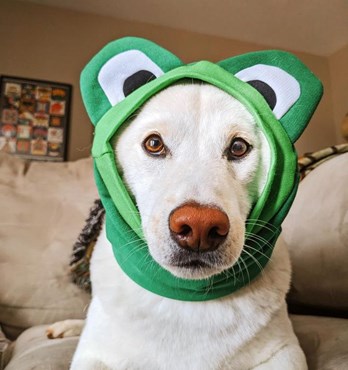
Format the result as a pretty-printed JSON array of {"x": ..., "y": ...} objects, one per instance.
[{"x": 109, "y": 112}]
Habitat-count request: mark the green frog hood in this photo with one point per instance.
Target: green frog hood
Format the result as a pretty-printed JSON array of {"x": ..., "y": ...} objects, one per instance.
[{"x": 276, "y": 88}]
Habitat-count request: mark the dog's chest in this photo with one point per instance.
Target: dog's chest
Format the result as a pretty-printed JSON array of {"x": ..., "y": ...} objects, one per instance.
[
  {"x": 128, "y": 323},
  {"x": 180, "y": 337}
]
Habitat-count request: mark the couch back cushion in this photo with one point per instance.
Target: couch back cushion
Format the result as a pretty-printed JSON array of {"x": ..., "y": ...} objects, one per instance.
[
  {"x": 316, "y": 231},
  {"x": 43, "y": 208}
]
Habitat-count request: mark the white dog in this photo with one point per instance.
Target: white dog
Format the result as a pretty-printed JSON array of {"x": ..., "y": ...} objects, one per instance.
[{"x": 195, "y": 161}]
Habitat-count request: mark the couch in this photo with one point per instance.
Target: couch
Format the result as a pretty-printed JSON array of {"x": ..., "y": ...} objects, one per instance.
[{"x": 43, "y": 208}]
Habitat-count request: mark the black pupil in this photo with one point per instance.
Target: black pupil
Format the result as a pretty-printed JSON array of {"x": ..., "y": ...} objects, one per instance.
[
  {"x": 239, "y": 147},
  {"x": 154, "y": 143},
  {"x": 136, "y": 80}
]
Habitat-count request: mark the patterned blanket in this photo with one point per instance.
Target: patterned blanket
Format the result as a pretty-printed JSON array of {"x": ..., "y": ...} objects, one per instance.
[
  {"x": 309, "y": 161},
  {"x": 83, "y": 247}
]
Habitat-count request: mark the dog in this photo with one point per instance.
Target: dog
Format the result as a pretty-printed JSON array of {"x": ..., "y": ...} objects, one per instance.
[{"x": 195, "y": 162}]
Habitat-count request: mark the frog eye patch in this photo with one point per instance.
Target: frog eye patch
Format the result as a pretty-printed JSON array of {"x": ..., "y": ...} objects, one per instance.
[
  {"x": 279, "y": 88},
  {"x": 125, "y": 72},
  {"x": 119, "y": 69},
  {"x": 289, "y": 88}
]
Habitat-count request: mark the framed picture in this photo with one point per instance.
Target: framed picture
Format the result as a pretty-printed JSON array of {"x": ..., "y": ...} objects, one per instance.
[{"x": 34, "y": 118}]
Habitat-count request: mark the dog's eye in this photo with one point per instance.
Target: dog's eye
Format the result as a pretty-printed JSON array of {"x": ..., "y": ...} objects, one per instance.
[
  {"x": 238, "y": 149},
  {"x": 154, "y": 145}
]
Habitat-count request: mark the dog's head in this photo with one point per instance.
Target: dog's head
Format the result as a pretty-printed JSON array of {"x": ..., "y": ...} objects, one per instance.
[{"x": 195, "y": 159}]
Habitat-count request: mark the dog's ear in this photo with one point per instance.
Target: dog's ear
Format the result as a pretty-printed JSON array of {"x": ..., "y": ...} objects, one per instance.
[
  {"x": 290, "y": 89},
  {"x": 118, "y": 69}
]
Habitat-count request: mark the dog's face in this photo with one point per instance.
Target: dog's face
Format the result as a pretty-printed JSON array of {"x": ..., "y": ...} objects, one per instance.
[{"x": 195, "y": 161}]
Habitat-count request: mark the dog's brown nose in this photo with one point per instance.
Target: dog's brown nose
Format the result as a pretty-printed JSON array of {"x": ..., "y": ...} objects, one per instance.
[{"x": 198, "y": 228}]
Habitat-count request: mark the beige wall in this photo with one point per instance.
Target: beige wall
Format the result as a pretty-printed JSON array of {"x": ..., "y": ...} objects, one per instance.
[
  {"x": 54, "y": 44},
  {"x": 339, "y": 81}
]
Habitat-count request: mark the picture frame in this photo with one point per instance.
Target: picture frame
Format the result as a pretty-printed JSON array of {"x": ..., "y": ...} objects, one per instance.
[{"x": 34, "y": 118}]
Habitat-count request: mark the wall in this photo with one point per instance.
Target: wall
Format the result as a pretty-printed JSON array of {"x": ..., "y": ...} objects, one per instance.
[
  {"x": 338, "y": 63},
  {"x": 54, "y": 44}
]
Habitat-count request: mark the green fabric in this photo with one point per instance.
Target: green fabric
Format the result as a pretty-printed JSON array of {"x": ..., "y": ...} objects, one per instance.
[
  {"x": 298, "y": 116},
  {"x": 95, "y": 101},
  {"x": 122, "y": 221}
]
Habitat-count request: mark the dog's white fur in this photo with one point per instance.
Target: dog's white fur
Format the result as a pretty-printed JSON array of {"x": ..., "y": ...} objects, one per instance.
[{"x": 131, "y": 328}]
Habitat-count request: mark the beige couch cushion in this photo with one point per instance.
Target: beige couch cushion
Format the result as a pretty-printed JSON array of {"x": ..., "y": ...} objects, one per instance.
[
  {"x": 5, "y": 350},
  {"x": 324, "y": 341},
  {"x": 316, "y": 231},
  {"x": 35, "y": 352},
  {"x": 43, "y": 208}
]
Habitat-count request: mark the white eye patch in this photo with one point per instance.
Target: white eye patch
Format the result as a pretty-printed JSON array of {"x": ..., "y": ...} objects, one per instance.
[
  {"x": 125, "y": 72},
  {"x": 278, "y": 87}
]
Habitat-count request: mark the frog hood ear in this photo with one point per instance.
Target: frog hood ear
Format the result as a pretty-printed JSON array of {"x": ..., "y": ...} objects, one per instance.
[
  {"x": 290, "y": 89},
  {"x": 118, "y": 69}
]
